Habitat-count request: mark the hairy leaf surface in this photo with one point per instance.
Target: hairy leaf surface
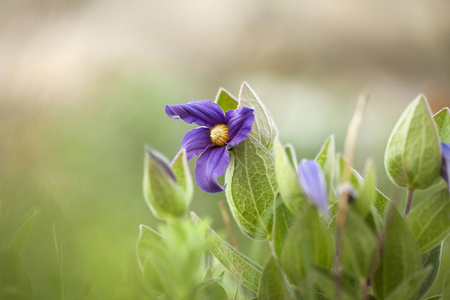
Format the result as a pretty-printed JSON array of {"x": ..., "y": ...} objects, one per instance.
[
  {"x": 264, "y": 129},
  {"x": 252, "y": 188},
  {"x": 239, "y": 266}
]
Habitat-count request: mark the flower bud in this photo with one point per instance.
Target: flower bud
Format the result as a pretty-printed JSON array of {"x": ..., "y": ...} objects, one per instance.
[
  {"x": 167, "y": 188},
  {"x": 313, "y": 183}
]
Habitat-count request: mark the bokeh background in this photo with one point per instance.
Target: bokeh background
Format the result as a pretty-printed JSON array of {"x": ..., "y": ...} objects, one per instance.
[{"x": 83, "y": 85}]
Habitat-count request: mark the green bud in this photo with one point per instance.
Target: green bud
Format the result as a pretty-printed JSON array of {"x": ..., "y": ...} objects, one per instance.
[
  {"x": 167, "y": 188},
  {"x": 288, "y": 185},
  {"x": 413, "y": 155}
]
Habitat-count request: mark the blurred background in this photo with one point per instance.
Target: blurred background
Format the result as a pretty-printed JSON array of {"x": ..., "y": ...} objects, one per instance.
[{"x": 83, "y": 85}]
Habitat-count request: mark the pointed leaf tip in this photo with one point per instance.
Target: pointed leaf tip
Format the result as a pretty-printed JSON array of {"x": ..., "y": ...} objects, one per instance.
[
  {"x": 226, "y": 100},
  {"x": 442, "y": 121},
  {"x": 264, "y": 129}
]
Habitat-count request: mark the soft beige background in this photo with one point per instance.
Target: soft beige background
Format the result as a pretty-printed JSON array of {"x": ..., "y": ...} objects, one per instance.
[{"x": 83, "y": 85}]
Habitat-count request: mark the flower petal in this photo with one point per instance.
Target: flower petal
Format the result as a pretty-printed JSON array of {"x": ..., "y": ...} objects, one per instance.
[
  {"x": 196, "y": 141},
  {"x": 202, "y": 113},
  {"x": 445, "y": 149},
  {"x": 239, "y": 124},
  {"x": 313, "y": 183},
  {"x": 210, "y": 165}
]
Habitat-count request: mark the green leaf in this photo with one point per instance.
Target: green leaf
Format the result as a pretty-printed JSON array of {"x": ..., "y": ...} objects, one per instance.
[
  {"x": 325, "y": 158},
  {"x": 239, "y": 266},
  {"x": 19, "y": 239},
  {"x": 407, "y": 290},
  {"x": 208, "y": 275},
  {"x": 308, "y": 243},
  {"x": 381, "y": 202},
  {"x": 326, "y": 283},
  {"x": 333, "y": 210},
  {"x": 165, "y": 198},
  {"x": 14, "y": 281},
  {"x": 430, "y": 221},
  {"x": 358, "y": 245},
  {"x": 355, "y": 177},
  {"x": 183, "y": 176},
  {"x": 211, "y": 290},
  {"x": 264, "y": 129},
  {"x": 413, "y": 156},
  {"x": 147, "y": 242},
  {"x": 432, "y": 260},
  {"x": 282, "y": 223},
  {"x": 225, "y": 100},
  {"x": 366, "y": 192},
  {"x": 374, "y": 220},
  {"x": 442, "y": 121},
  {"x": 399, "y": 257},
  {"x": 252, "y": 188},
  {"x": 287, "y": 179},
  {"x": 274, "y": 284},
  {"x": 292, "y": 157}
]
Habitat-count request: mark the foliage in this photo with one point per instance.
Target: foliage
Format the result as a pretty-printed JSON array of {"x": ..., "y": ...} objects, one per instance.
[{"x": 361, "y": 246}]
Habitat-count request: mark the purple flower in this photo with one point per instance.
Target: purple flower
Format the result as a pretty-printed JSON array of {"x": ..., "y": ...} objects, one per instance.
[
  {"x": 313, "y": 183},
  {"x": 218, "y": 132},
  {"x": 445, "y": 149}
]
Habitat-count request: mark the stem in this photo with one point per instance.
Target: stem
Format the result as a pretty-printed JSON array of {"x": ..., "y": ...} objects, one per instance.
[
  {"x": 341, "y": 217},
  {"x": 365, "y": 289},
  {"x": 227, "y": 222},
  {"x": 409, "y": 198}
]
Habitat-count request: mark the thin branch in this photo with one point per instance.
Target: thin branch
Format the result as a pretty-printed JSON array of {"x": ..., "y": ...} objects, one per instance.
[{"x": 349, "y": 150}]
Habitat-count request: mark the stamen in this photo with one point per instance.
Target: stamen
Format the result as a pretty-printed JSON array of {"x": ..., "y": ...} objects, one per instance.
[{"x": 219, "y": 135}]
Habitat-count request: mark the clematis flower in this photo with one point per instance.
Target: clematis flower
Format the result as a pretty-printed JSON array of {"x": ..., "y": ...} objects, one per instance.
[
  {"x": 445, "y": 149},
  {"x": 313, "y": 183},
  {"x": 219, "y": 132}
]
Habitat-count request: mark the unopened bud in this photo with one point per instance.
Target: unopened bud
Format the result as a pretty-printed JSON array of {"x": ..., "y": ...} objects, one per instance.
[{"x": 162, "y": 190}]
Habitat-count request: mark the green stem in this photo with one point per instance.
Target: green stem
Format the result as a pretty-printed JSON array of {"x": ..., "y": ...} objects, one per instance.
[{"x": 409, "y": 198}]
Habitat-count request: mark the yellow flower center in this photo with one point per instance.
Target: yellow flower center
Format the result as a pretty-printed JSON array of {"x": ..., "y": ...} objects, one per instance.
[{"x": 219, "y": 135}]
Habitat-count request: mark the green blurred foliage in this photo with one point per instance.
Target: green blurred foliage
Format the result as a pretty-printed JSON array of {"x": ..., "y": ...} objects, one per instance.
[{"x": 80, "y": 163}]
